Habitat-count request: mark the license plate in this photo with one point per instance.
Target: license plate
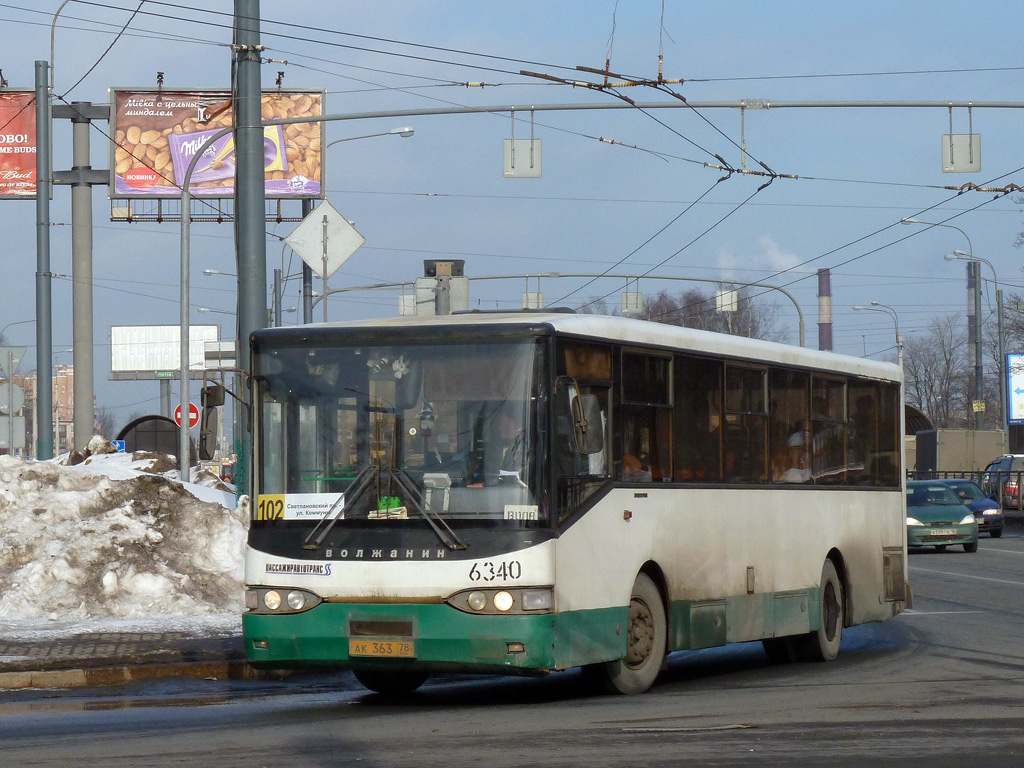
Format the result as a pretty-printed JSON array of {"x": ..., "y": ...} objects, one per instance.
[
  {"x": 390, "y": 649},
  {"x": 942, "y": 532}
]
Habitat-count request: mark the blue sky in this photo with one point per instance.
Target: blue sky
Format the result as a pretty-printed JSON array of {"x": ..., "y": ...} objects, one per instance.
[{"x": 441, "y": 193}]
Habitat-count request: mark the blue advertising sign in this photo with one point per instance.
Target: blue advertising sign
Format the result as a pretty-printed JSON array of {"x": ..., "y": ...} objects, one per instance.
[{"x": 1015, "y": 389}]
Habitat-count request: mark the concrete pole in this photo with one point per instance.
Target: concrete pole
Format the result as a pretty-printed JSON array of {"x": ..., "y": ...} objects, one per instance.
[
  {"x": 825, "y": 310},
  {"x": 44, "y": 311},
  {"x": 1001, "y": 367},
  {"x": 81, "y": 275},
  {"x": 974, "y": 336},
  {"x": 250, "y": 233}
]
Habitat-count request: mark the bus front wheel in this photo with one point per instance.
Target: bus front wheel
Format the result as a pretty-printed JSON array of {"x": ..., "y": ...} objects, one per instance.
[
  {"x": 823, "y": 645},
  {"x": 646, "y": 638},
  {"x": 390, "y": 683}
]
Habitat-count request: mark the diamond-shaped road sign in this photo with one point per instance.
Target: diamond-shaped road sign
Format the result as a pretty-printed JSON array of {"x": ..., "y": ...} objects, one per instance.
[
  {"x": 9, "y": 359},
  {"x": 325, "y": 240}
]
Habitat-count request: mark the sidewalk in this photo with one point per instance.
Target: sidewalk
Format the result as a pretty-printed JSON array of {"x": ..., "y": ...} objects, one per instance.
[{"x": 108, "y": 658}]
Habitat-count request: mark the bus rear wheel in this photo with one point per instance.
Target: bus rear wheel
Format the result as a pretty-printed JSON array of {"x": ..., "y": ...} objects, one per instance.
[
  {"x": 823, "y": 645},
  {"x": 390, "y": 683},
  {"x": 646, "y": 638}
]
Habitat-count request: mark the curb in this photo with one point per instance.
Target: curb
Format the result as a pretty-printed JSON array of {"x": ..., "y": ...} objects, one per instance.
[{"x": 117, "y": 675}]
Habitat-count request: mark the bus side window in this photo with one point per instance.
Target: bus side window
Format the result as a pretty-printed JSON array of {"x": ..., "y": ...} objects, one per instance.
[
  {"x": 698, "y": 415},
  {"x": 746, "y": 421},
  {"x": 646, "y": 414}
]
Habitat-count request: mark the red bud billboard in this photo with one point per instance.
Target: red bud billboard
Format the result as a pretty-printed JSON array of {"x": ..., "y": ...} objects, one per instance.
[{"x": 17, "y": 144}]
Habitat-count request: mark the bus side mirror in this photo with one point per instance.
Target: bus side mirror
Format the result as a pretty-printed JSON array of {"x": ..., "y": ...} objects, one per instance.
[
  {"x": 212, "y": 396},
  {"x": 208, "y": 433},
  {"x": 587, "y": 426}
]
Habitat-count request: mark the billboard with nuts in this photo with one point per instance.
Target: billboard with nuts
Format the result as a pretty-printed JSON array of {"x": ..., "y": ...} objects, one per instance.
[
  {"x": 17, "y": 144},
  {"x": 158, "y": 132}
]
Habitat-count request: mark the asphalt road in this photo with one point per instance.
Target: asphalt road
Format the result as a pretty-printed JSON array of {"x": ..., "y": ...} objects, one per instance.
[{"x": 941, "y": 685}]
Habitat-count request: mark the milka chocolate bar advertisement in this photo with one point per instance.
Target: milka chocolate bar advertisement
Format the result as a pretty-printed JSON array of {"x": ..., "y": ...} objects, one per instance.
[{"x": 157, "y": 133}]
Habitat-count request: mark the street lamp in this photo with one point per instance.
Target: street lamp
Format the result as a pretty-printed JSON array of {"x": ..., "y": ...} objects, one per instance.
[
  {"x": 307, "y": 271},
  {"x": 958, "y": 254},
  {"x": 404, "y": 132},
  {"x": 16, "y": 322},
  {"x": 877, "y": 307},
  {"x": 979, "y": 384}
]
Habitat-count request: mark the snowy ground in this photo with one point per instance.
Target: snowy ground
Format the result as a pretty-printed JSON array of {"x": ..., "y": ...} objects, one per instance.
[{"x": 117, "y": 544}]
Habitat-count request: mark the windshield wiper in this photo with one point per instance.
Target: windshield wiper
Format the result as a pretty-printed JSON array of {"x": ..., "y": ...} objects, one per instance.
[
  {"x": 444, "y": 532},
  {"x": 359, "y": 485},
  {"x": 363, "y": 480}
]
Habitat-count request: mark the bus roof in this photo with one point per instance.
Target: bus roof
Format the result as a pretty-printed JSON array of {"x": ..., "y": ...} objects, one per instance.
[{"x": 600, "y": 328}]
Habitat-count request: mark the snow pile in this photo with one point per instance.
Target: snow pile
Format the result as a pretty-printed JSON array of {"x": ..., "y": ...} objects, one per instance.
[{"x": 116, "y": 538}]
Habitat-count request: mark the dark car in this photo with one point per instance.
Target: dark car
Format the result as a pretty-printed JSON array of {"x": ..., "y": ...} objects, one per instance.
[
  {"x": 1002, "y": 478},
  {"x": 937, "y": 518},
  {"x": 987, "y": 512}
]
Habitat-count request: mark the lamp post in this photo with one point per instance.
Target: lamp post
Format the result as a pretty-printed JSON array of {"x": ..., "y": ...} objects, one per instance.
[
  {"x": 877, "y": 307},
  {"x": 57, "y": 404},
  {"x": 8, "y": 366},
  {"x": 958, "y": 254},
  {"x": 307, "y": 271},
  {"x": 979, "y": 384}
]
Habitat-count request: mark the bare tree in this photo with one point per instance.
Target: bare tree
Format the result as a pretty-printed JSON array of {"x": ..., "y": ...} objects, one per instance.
[
  {"x": 696, "y": 309},
  {"x": 597, "y": 306},
  {"x": 105, "y": 422},
  {"x": 937, "y": 372}
]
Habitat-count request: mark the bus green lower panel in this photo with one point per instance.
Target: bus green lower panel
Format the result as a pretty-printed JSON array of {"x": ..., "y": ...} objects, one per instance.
[
  {"x": 442, "y": 637},
  {"x": 710, "y": 623},
  {"x": 445, "y": 638},
  {"x": 586, "y": 637}
]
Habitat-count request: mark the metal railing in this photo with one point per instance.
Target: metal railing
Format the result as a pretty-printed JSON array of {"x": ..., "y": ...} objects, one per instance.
[{"x": 1005, "y": 486}]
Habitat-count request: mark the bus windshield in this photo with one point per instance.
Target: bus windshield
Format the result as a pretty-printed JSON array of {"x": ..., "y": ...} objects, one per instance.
[{"x": 395, "y": 432}]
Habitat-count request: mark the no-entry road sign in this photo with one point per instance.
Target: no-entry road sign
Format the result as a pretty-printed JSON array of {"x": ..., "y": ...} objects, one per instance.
[{"x": 193, "y": 415}]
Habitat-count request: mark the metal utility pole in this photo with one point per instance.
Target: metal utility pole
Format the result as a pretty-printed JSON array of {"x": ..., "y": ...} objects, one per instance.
[
  {"x": 44, "y": 310},
  {"x": 307, "y": 274},
  {"x": 250, "y": 235},
  {"x": 81, "y": 271}
]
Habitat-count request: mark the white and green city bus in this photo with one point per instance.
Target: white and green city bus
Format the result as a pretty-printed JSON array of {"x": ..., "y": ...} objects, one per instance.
[{"x": 519, "y": 493}]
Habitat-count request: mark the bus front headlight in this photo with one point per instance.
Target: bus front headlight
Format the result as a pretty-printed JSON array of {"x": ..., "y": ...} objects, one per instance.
[
  {"x": 280, "y": 600},
  {"x": 503, "y": 601},
  {"x": 512, "y": 600}
]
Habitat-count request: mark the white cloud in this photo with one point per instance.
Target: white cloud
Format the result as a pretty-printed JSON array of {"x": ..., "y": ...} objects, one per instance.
[{"x": 766, "y": 256}]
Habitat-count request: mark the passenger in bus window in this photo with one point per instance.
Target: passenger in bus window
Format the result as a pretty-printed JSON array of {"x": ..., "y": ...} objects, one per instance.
[
  {"x": 789, "y": 465},
  {"x": 505, "y": 451},
  {"x": 633, "y": 471}
]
